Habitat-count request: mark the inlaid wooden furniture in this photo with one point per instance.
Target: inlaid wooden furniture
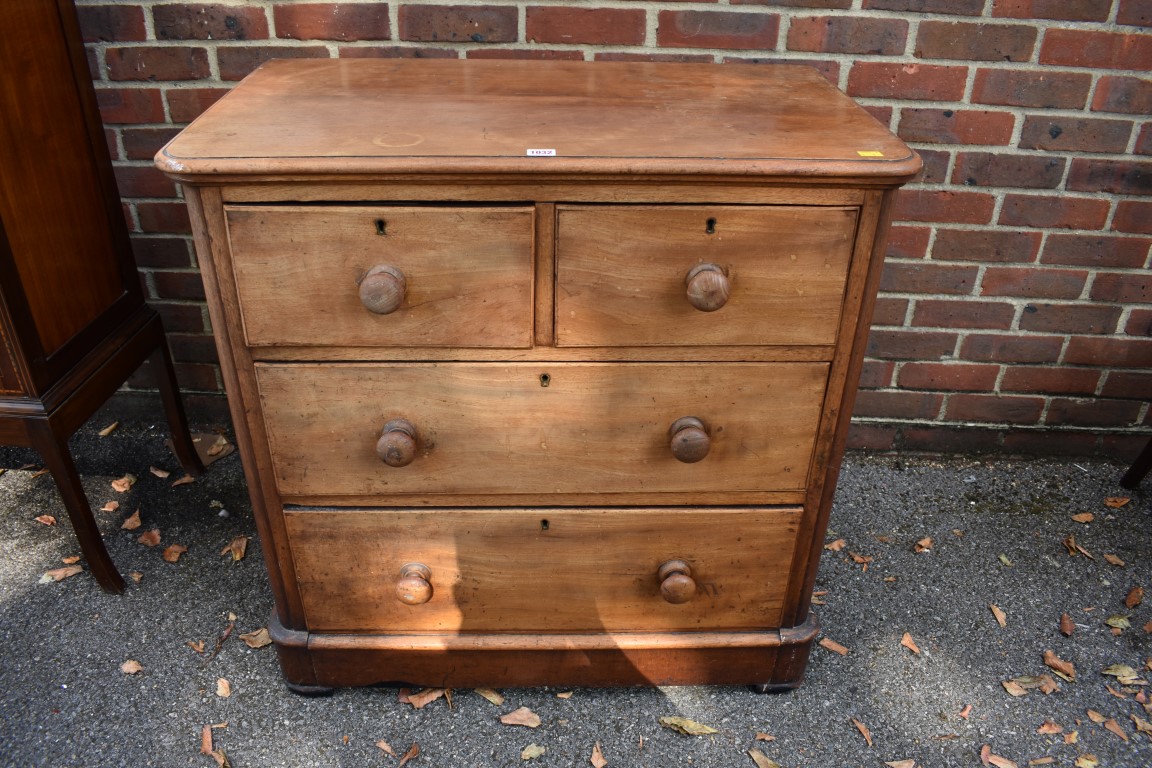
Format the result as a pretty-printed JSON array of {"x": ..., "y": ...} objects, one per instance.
[
  {"x": 73, "y": 322},
  {"x": 541, "y": 372}
]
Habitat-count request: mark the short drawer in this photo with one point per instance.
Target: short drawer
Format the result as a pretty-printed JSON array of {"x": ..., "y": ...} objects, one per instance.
[
  {"x": 458, "y": 276},
  {"x": 762, "y": 274},
  {"x": 540, "y": 429},
  {"x": 543, "y": 570}
]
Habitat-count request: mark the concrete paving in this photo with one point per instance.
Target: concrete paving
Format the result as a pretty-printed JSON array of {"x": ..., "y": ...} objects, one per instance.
[{"x": 997, "y": 528}]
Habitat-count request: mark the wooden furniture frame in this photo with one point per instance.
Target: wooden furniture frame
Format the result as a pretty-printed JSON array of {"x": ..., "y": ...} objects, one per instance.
[
  {"x": 73, "y": 322},
  {"x": 541, "y": 371}
]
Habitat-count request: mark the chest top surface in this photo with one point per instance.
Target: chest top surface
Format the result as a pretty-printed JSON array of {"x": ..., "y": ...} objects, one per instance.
[{"x": 357, "y": 117}]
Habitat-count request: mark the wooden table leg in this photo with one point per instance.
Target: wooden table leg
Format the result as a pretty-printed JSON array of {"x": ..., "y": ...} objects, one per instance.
[
  {"x": 53, "y": 449},
  {"x": 1139, "y": 469},
  {"x": 185, "y": 449}
]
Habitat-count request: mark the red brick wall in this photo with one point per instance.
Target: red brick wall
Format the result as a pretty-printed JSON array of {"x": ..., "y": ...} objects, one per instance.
[{"x": 1016, "y": 311}]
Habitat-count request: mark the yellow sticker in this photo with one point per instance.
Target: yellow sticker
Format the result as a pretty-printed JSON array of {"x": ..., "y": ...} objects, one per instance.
[{"x": 869, "y": 153}]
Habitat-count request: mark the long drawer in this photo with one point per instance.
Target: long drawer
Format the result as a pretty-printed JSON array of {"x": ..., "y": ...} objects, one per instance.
[
  {"x": 532, "y": 428},
  {"x": 542, "y": 570}
]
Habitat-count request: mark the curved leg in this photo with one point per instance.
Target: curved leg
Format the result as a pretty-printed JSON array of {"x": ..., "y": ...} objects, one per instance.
[
  {"x": 182, "y": 444},
  {"x": 54, "y": 450},
  {"x": 1139, "y": 469}
]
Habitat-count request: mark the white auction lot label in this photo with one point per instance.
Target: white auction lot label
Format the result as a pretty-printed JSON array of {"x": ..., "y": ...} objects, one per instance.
[{"x": 541, "y": 153}]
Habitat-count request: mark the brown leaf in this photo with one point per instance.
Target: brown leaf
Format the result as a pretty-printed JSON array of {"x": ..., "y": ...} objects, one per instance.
[
  {"x": 760, "y": 736},
  {"x": 924, "y": 545},
  {"x": 1134, "y": 598},
  {"x": 149, "y": 538},
  {"x": 996, "y": 760},
  {"x": 901, "y": 764},
  {"x": 1084, "y": 517},
  {"x": 867, "y": 734},
  {"x": 532, "y": 751},
  {"x": 1148, "y": 627},
  {"x": 829, "y": 644},
  {"x": 762, "y": 760},
  {"x": 859, "y": 559},
  {"x": 183, "y": 481},
  {"x": 122, "y": 484},
  {"x": 1112, "y": 726},
  {"x": 1067, "y": 627},
  {"x": 1096, "y": 717},
  {"x": 836, "y": 546},
  {"x": 206, "y": 740},
  {"x": 491, "y": 695},
  {"x": 425, "y": 697},
  {"x": 1063, "y": 669},
  {"x": 223, "y": 688},
  {"x": 1142, "y": 725},
  {"x": 386, "y": 747},
  {"x": 219, "y": 446},
  {"x": 196, "y": 645},
  {"x": 909, "y": 643},
  {"x": 173, "y": 551},
  {"x": 136, "y": 576},
  {"x": 237, "y": 548},
  {"x": 160, "y": 473},
  {"x": 108, "y": 429},
  {"x": 1001, "y": 617},
  {"x": 412, "y": 752},
  {"x": 131, "y": 667},
  {"x": 257, "y": 638},
  {"x": 1013, "y": 688},
  {"x": 597, "y": 758},
  {"x": 59, "y": 574},
  {"x": 1087, "y": 761},
  {"x": 1114, "y": 560},
  {"x": 684, "y": 725},
  {"x": 70, "y": 560},
  {"x": 45, "y": 520},
  {"x": 1115, "y": 502},
  {"x": 1049, "y": 728},
  {"x": 132, "y": 522},
  {"x": 1072, "y": 737},
  {"x": 522, "y": 716},
  {"x": 565, "y": 694},
  {"x": 110, "y": 506},
  {"x": 966, "y": 711}
]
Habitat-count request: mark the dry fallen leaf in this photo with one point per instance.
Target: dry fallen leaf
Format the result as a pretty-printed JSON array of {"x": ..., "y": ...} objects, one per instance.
[
  {"x": 1096, "y": 717},
  {"x": 223, "y": 688},
  {"x": 45, "y": 520},
  {"x": 565, "y": 694},
  {"x": 1117, "y": 621},
  {"x": 122, "y": 484},
  {"x": 966, "y": 711},
  {"x": 161, "y": 473},
  {"x": 532, "y": 751},
  {"x": 901, "y": 764},
  {"x": 1084, "y": 517},
  {"x": 831, "y": 645},
  {"x": 760, "y": 736},
  {"x": 863, "y": 560},
  {"x": 762, "y": 760},
  {"x": 1134, "y": 598},
  {"x": 108, "y": 429},
  {"x": 219, "y": 446},
  {"x": 423, "y": 698},
  {"x": 1063, "y": 669},
  {"x": 491, "y": 695},
  {"x": 522, "y": 716},
  {"x": 836, "y": 546},
  {"x": 1087, "y": 761},
  {"x": 257, "y": 639},
  {"x": 1071, "y": 737},
  {"x": 149, "y": 538},
  {"x": 1001, "y": 617},
  {"x": 412, "y": 752},
  {"x": 1114, "y": 560},
  {"x": 70, "y": 560},
  {"x": 1003, "y": 558},
  {"x": 1067, "y": 627},
  {"x": 1049, "y": 728},
  {"x": 132, "y": 522},
  {"x": 909, "y": 643},
  {"x": 867, "y": 734},
  {"x": 59, "y": 574},
  {"x": 237, "y": 548},
  {"x": 988, "y": 758},
  {"x": 196, "y": 645},
  {"x": 173, "y": 551},
  {"x": 1142, "y": 725},
  {"x": 110, "y": 506},
  {"x": 136, "y": 576},
  {"x": 1042, "y": 761},
  {"x": 1013, "y": 688},
  {"x": 1112, "y": 726},
  {"x": 1115, "y": 502},
  {"x": 183, "y": 481},
  {"x": 597, "y": 758},
  {"x": 686, "y": 726},
  {"x": 131, "y": 667},
  {"x": 924, "y": 545},
  {"x": 386, "y": 747},
  {"x": 1074, "y": 548}
]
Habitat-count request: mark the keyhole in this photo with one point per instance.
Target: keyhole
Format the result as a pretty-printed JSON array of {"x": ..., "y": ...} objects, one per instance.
[
  {"x": 545, "y": 379},
  {"x": 380, "y": 227},
  {"x": 543, "y": 525},
  {"x": 710, "y": 226}
]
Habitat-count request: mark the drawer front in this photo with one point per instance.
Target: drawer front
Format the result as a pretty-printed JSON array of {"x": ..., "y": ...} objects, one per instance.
[
  {"x": 467, "y": 275},
  {"x": 622, "y": 274},
  {"x": 492, "y": 428},
  {"x": 545, "y": 570}
]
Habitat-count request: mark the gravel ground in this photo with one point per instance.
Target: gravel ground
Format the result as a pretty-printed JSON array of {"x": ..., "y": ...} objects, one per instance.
[{"x": 997, "y": 528}]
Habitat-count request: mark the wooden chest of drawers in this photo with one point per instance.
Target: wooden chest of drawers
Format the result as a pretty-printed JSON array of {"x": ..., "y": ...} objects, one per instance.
[{"x": 541, "y": 372}]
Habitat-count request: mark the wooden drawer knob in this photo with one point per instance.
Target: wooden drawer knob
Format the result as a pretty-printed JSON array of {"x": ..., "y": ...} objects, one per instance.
[
  {"x": 690, "y": 441},
  {"x": 382, "y": 289},
  {"x": 708, "y": 287},
  {"x": 676, "y": 583},
  {"x": 397, "y": 445},
  {"x": 415, "y": 584}
]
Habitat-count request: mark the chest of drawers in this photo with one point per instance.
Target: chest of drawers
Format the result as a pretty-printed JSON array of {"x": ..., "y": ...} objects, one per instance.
[{"x": 541, "y": 372}]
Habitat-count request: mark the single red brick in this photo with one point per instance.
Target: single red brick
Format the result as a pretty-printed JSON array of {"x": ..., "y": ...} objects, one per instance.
[
  {"x": 911, "y": 345},
  {"x": 876, "y": 374},
  {"x": 180, "y": 316},
  {"x": 1070, "y": 318},
  {"x": 994, "y": 409},
  {"x": 935, "y": 170},
  {"x": 1139, "y": 323},
  {"x": 178, "y": 285},
  {"x": 111, "y": 23},
  {"x": 943, "y": 206},
  {"x": 584, "y": 26},
  {"x": 1033, "y": 282},
  {"x": 956, "y": 7},
  {"x": 1072, "y": 134},
  {"x": 193, "y": 347},
  {"x": 718, "y": 29},
  {"x": 197, "y": 377},
  {"x": 525, "y": 53},
  {"x": 1133, "y": 216},
  {"x": 898, "y": 405},
  {"x": 984, "y": 169},
  {"x": 848, "y": 34},
  {"x": 458, "y": 23},
  {"x": 1104, "y": 50},
  {"x": 950, "y": 439},
  {"x": 143, "y": 181},
  {"x": 1047, "y": 89},
  {"x": 238, "y": 63},
  {"x": 144, "y": 143},
  {"x": 1067, "y": 10},
  {"x": 908, "y": 242},
  {"x": 889, "y": 311},
  {"x": 1056, "y": 212},
  {"x": 947, "y": 313},
  {"x": 332, "y": 21},
  {"x": 1052, "y": 379},
  {"x": 891, "y": 80},
  {"x": 947, "y": 126},
  {"x": 681, "y": 58},
  {"x": 130, "y": 105},
  {"x": 1137, "y": 13},
  {"x": 952, "y": 377},
  {"x": 1011, "y": 348},
  {"x": 1120, "y": 177},
  {"x": 1112, "y": 352},
  {"x": 1123, "y": 287},
  {"x": 169, "y": 218},
  {"x": 394, "y": 52},
  {"x": 157, "y": 63},
  {"x": 1066, "y": 412},
  {"x": 186, "y": 104},
  {"x": 1130, "y": 95},
  {"x": 1096, "y": 251},
  {"x": 985, "y": 245},
  {"x": 928, "y": 277},
  {"x": 1144, "y": 140},
  {"x": 164, "y": 252},
  {"x": 974, "y": 41},
  {"x": 1135, "y": 385},
  {"x": 209, "y": 21},
  {"x": 871, "y": 437}
]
